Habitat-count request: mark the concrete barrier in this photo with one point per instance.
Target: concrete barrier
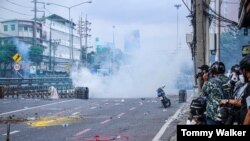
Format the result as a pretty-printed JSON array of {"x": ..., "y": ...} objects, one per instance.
[
  {"x": 82, "y": 92},
  {"x": 1, "y": 92},
  {"x": 182, "y": 95}
]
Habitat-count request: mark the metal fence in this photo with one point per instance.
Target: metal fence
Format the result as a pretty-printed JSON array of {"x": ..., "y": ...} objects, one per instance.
[{"x": 36, "y": 87}]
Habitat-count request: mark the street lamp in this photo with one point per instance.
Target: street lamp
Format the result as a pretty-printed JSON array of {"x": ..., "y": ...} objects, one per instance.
[
  {"x": 177, "y": 7},
  {"x": 113, "y": 47},
  {"x": 70, "y": 21}
]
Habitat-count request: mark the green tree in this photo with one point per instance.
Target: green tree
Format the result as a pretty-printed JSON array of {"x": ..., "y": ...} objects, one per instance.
[
  {"x": 231, "y": 46},
  {"x": 36, "y": 54},
  {"x": 6, "y": 54}
]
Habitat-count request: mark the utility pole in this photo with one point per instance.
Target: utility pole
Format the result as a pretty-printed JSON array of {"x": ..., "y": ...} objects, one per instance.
[
  {"x": 80, "y": 24},
  {"x": 50, "y": 44},
  {"x": 218, "y": 10},
  {"x": 71, "y": 34},
  {"x": 113, "y": 48},
  {"x": 35, "y": 19},
  {"x": 83, "y": 31},
  {"x": 34, "y": 31},
  {"x": 55, "y": 43},
  {"x": 201, "y": 35},
  {"x": 177, "y": 42}
]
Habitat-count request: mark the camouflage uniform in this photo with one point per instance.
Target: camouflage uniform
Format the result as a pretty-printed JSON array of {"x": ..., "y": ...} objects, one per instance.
[{"x": 213, "y": 90}]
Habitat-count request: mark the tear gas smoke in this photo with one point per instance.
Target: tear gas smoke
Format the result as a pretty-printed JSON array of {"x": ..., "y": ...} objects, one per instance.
[
  {"x": 23, "y": 50},
  {"x": 147, "y": 70}
]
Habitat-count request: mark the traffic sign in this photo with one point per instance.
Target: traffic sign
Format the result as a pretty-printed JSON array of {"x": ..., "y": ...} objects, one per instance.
[
  {"x": 17, "y": 58},
  {"x": 17, "y": 67}
]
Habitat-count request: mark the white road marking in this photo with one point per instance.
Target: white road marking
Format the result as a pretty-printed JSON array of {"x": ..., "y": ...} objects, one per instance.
[
  {"x": 76, "y": 113},
  {"x": 121, "y": 114},
  {"x": 165, "y": 126},
  {"x": 29, "y": 108},
  {"x": 105, "y": 121},
  {"x": 169, "y": 121},
  {"x": 77, "y": 108},
  {"x": 82, "y": 132},
  {"x": 133, "y": 108},
  {"x": 92, "y": 108},
  {"x": 12, "y": 132}
]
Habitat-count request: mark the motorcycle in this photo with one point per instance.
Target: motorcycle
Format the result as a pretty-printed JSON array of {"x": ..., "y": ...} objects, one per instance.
[{"x": 161, "y": 95}]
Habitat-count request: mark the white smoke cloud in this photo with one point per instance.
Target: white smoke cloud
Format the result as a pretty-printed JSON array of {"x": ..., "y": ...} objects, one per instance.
[
  {"x": 23, "y": 49},
  {"x": 147, "y": 70}
]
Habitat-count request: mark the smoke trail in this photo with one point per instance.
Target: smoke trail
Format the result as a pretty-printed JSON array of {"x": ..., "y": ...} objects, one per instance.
[
  {"x": 23, "y": 50},
  {"x": 147, "y": 70}
]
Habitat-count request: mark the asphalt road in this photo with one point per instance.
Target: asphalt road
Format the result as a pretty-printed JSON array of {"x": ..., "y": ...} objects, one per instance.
[{"x": 84, "y": 120}]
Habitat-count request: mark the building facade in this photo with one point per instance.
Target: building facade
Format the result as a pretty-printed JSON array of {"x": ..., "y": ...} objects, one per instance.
[
  {"x": 55, "y": 33},
  {"x": 22, "y": 30},
  {"x": 61, "y": 40}
]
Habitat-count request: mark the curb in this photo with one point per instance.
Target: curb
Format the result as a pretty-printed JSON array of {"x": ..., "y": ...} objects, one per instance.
[{"x": 185, "y": 114}]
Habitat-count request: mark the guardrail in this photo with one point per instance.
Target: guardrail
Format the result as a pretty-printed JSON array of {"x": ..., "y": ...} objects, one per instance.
[{"x": 36, "y": 87}]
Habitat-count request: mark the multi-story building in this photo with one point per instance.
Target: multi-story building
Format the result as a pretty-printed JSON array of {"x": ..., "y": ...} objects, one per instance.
[
  {"x": 22, "y": 30},
  {"x": 61, "y": 39},
  {"x": 55, "y": 33}
]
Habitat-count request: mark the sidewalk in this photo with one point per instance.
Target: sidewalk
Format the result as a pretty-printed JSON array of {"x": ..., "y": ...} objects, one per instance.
[{"x": 184, "y": 114}]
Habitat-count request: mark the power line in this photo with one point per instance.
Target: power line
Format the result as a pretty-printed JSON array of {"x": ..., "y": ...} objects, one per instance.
[
  {"x": 18, "y": 4},
  {"x": 15, "y": 11},
  {"x": 227, "y": 2},
  {"x": 216, "y": 16}
]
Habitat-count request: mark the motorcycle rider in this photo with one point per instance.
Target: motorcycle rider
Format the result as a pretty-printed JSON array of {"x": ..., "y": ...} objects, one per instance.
[{"x": 161, "y": 94}]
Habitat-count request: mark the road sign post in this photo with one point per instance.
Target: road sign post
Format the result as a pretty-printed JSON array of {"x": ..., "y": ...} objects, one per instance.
[
  {"x": 17, "y": 57},
  {"x": 17, "y": 67}
]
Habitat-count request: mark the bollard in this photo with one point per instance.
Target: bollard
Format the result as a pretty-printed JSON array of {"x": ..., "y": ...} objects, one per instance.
[
  {"x": 8, "y": 132},
  {"x": 182, "y": 95},
  {"x": 86, "y": 93},
  {"x": 1, "y": 92},
  {"x": 82, "y": 92}
]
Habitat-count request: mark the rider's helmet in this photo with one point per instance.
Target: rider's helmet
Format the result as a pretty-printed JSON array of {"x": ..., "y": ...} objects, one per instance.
[{"x": 160, "y": 92}]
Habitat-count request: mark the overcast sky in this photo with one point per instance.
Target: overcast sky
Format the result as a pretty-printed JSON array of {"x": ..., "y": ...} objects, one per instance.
[{"x": 156, "y": 19}]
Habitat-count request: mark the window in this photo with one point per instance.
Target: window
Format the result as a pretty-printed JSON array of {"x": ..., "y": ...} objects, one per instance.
[
  {"x": 13, "y": 27},
  {"x": 25, "y": 28},
  {"x": 5, "y": 27}
]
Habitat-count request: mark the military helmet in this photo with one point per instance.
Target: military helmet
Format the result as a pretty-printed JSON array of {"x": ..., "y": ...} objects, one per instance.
[
  {"x": 245, "y": 63},
  {"x": 217, "y": 68},
  {"x": 235, "y": 68},
  {"x": 204, "y": 67}
]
